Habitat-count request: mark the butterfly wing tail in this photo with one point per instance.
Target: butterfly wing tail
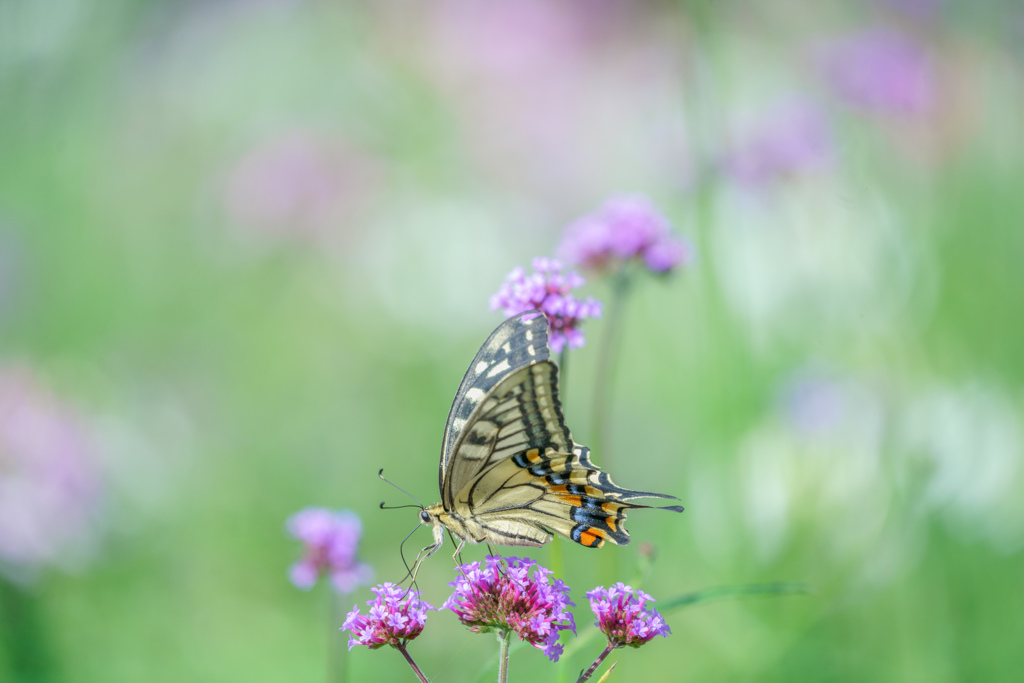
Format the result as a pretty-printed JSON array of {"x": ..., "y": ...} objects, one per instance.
[
  {"x": 601, "y": 479},
  {"x": 580, "y": 501}
]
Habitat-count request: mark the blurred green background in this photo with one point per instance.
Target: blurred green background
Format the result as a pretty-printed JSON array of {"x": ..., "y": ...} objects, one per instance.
[{"x": 245, "y": 255}]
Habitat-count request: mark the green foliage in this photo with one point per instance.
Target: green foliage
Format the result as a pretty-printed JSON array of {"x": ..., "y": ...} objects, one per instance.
[{"x": 234, "y": 373}]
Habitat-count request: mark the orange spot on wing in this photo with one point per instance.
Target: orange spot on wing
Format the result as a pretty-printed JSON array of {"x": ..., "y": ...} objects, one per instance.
[{"x": 591, "y": 539}]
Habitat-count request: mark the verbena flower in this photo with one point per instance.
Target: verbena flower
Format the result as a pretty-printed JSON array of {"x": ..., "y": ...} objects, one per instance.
[
  {"x": 548, "y": 290},
  {"x": 330, "y": 540},
  {"x": 513, "y": 595},
  {"x": 624, "y": 617},
  {"x": 883, "y": 71},
  {"x": 624, "y": 229},
  {"x": 791, "y": 139},
  {"x": 395, "y": 617},
  {"x": 50, "y": 483}
]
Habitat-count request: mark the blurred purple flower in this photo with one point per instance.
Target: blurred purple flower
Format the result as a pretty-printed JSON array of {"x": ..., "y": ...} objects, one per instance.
[
  {"x": 882, "y": 71},
  {"x": 548, "y": 290},
  {"x": 624, "y": 228},
  {"x": 298, "y": 184},
  {"x": 395, "y": 617},
  {"x": 513, "y": 595},
  {"x": 330, "y": 540},
  {"x": 49, "y": 482},
  {"x": 624, "y": 617},
  {"x": 793, "y": 138},
  {"x": 812, "y": 402}
]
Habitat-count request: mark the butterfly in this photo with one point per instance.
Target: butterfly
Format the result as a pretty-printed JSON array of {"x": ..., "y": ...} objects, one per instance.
[{"x": 510, "y": 472}]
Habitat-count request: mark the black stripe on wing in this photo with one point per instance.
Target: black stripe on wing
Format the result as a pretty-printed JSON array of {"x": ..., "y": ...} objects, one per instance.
[
  {"x": 522, "y": 413},
  {"x": 596, "y": 505},
  {"x": 560, "y": 469},
  {"x": 519, "y": 341}
]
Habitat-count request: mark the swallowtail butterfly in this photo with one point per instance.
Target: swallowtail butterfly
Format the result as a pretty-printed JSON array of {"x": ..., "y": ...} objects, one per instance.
[{"x": 510, "y": 472}]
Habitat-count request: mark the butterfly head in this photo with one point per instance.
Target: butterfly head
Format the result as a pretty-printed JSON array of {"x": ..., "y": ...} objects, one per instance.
[{"x": 431, "y": 515}]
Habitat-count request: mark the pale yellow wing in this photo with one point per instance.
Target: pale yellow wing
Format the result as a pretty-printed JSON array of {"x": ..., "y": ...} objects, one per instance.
[
  {"x": 520, "y": 500},
  {"x": 520, "y": 413}
]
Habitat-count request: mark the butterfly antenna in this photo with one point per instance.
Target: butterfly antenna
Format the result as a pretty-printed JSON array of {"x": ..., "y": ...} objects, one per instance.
[
  {"x": 398, "y": 507},
  {"x": 381, "y": 475}
]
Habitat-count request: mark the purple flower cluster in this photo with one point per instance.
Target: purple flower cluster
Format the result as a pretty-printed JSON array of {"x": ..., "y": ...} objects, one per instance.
[
  {"x": 513, "y": 595},
  {"x": 623, "y": 615},
  {"x": 330, "y": 540},
  {"x": 882, "y": 71},
  {"x": 395, "y": 617},
  {"x": 548, "y": 290},
  {"x": 625, "y": 228},
  {"x": 791, "y": 139}
]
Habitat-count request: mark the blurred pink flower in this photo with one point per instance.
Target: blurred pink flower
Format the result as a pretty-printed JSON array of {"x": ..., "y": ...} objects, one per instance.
[
  {"x": 523, "y": 79},
  {"x": 792, "y": 138},
  {"x": 624, "y": 228},
  {"x": 882, "y": 71},
  {"x": 330, "y": 540},
  {"x": 299, "y": 185},
  {"x": 50, "y": 489}
]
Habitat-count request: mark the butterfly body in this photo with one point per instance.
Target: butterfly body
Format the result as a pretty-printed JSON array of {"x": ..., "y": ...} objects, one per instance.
[{"x": 510, "y": 473}]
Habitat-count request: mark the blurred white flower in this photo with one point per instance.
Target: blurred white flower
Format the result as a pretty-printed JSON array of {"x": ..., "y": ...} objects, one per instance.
[{"x": 967, "y": 445}]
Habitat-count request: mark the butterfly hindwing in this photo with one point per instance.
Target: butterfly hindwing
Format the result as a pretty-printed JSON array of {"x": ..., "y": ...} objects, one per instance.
[{"x": 548, "y": 490}]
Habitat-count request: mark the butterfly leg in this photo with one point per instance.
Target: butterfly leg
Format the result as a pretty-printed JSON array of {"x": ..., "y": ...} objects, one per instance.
[
  {"x": 420, "y": 557},
  {"x": 501, "y": 567},
  {"x": 457, "y": 555}
]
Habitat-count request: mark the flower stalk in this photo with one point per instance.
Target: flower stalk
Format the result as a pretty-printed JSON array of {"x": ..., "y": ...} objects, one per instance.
[
  {"x": 503, "y": 642},
  {"x": 416, "y": 669},
  {"x": 606, "y": 364},
  {"x": 597, "y": 662}
]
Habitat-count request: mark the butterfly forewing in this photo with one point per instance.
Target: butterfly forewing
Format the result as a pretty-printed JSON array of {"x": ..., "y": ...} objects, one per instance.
[
  {"x": 520, "y": 413},
  {"x": 518, "y": 342}
]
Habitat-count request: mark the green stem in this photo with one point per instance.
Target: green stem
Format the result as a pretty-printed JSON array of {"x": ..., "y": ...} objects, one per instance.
[
  {"x": 337, "y": 653},
  {"x": 22, "y": 632},
  {"x": 597, "y": 662},
  {"x": 503, "y": 638},
  {"x": 563, "y": 364},
  {"x": 408, "y": 658},
  {"x": 606, "y": 364},
  {"x": 555, "y": 558}
]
